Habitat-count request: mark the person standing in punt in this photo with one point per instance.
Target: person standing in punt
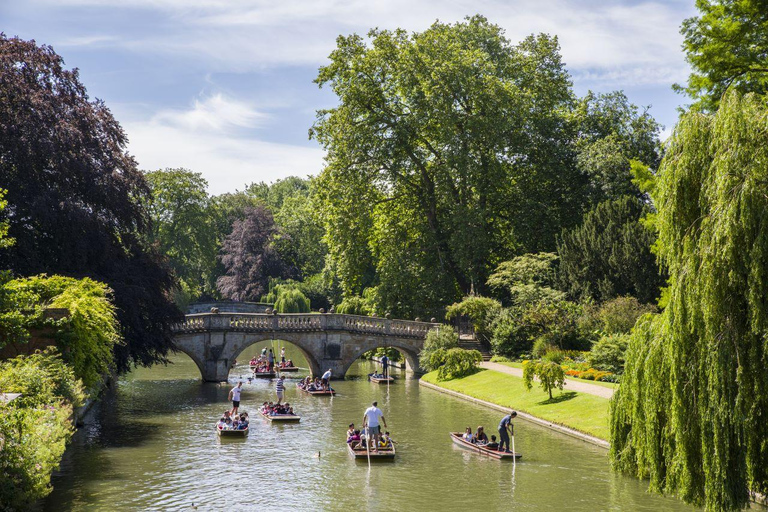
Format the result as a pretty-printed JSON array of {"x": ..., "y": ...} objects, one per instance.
[
  {"x": 271, "y": 361},
  {"x": 234, "y": 395},
  {"x": 280, "y": 388},
  {"x": 326, "y": 379},
  {"x": 505, "y": 429},
  {"x": 384, "y": 363},
  {"x": 371, "y": 419}
]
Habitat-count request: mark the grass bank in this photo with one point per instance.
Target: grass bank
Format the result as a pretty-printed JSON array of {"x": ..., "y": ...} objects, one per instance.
[{"x": 579, "y": 411}]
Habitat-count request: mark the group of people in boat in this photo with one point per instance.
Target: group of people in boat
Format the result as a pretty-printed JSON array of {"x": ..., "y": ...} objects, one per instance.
[
  {"x": 318, "y": 384},
  {"x": 373, "y": 418},
  {"x": 273, "y": 409},
  {"x": 231, "y": 421},
  {"x": 480, "y": 438},
  {"x": 265, "y": 363}
]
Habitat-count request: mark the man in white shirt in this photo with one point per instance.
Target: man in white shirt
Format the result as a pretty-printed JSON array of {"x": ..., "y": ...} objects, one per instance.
[
  {"x": 371, "y": 419},
  {"x": 234, "y": 395},
  {"x": 326, "y": 378}
]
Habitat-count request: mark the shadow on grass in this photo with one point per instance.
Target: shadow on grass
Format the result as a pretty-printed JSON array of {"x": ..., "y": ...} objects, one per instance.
[{"x": 562, "y": 397}]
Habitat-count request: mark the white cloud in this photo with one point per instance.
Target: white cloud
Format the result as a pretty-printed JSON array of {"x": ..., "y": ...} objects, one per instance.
[
  {"x": 214, "y": 137},
  {"x": 633, "y": 39}
]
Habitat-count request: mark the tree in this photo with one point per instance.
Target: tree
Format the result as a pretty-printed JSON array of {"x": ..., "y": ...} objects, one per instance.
[
  {"x": 526, "y": 279},
  {"x": 480, "y": 310},
  {"x": 612, "y": 133},
  {"x": 183, "y": 227},
  {"x": 448, "y": 152},
  {"x": 77, "y": 202},
  {"x": 726, "y": 47},
  {"x": 549, "y": 373},
  {"x": 690, "y": 411},
  {"x": 609, "y": 254},
  {"x": 249, "y": 257}
]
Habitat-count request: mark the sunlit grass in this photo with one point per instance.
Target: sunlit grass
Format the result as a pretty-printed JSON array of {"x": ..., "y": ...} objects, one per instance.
[{"x": 580, "y": 411}]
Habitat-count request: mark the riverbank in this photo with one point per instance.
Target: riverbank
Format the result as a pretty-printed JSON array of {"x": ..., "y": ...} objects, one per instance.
[{"x": 577, "y": 412}]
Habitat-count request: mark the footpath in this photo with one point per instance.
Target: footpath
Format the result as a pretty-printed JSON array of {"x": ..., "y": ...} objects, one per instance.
[{"x": 570, "y": 384}]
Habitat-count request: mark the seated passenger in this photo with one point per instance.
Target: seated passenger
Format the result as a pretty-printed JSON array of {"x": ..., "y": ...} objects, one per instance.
[
  {"x": 480, "y": 436},
  {"x": 493, "y": 445},
  {"x": 351, "y": 429},
  {"x": 243, "y": 421},
  {"x": 222, "y": 423},
  {"x": 468, "y": 436},
  {"x": 228, "y": 425},
  {"x": 354, "y": 437},
  {"x": 386, "y": 441}
]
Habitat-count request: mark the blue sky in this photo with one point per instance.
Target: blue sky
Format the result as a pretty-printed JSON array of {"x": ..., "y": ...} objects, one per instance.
[{"x": 224, "y": 87}]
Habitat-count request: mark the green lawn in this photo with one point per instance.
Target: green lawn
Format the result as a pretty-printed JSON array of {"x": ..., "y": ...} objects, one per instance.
[
  {"x": 587, "y": 413},
  {"x": 611, "y": 385}
]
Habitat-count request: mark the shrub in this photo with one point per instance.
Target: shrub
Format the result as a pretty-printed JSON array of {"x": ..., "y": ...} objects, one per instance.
[
  {"x": 608, "y": 353},
  {"x": 550, "y": 375},
  {"x": 35, "y": 428},
  {"x": 455, "y": 362},
  {"x": 500, "y": 359},
  {"x": 442, "y": 338}
]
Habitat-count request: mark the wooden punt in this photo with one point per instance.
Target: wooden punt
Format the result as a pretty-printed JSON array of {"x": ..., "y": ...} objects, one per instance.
[
  {"x": 231, "y": 433},
  {"x": 381, "y": 379},
  {"x": 361, "y": 453},
  {"x": 460, "y": 441},
  {"x": 282, "y": 418},
  {"x": 288, "y": 368},
  {"x": 264, "y": 375},
  {"x": 317, "y": 393}
]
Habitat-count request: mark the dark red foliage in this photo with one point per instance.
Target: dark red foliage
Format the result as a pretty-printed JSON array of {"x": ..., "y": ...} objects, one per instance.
[
  {"x": 76, "y": 197},
  {"x": 249, "y": 256}
]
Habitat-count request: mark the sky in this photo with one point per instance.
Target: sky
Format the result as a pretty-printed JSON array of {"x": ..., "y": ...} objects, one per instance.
[{"x": 225, "y": 87}]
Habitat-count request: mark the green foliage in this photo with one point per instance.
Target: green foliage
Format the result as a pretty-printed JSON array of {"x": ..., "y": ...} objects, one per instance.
[
  {"x": 619, "y": 315},
  {"x": 549, "y": 374},
  {"x": 480, "y": 310},
  {"x": 86, "y": 337},
  {"x": 454, "y": 363},
  {"x": 539, "y": 327},
  {"x": 725, "y": 45},
  {"x": 5, "y": 241},
  {"x": 609, "y": 254},
  {"x": 35, "y": 428},
  {"x": 183, "y": 221},
  {"x": 690, "y": 411},
  {"x": 354, "y": 306},
  {"x": 441, "y": 340},
  {"x": 291, "y": 301},
  {"x": 526, "y": 279},
  {"x": 425, "y": 190},
  {"x": 607, "y": 354},
  {"x": 500, "y": 359}
]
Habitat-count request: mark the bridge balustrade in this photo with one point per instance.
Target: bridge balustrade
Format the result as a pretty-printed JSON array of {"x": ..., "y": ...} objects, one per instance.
[{"x": 255, "y": 322}]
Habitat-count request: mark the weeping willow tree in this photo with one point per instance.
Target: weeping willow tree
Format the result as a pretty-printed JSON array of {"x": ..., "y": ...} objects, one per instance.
[{"x": 692, "y": 410}]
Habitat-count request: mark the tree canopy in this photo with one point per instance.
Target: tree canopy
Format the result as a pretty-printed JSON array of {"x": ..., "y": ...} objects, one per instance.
[
  {"x": 726, "y": 47},
  {"x": 76, "y": 201},
  {"x": 690, "y": 412}
]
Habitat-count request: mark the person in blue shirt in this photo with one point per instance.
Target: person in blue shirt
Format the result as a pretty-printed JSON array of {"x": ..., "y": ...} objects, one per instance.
[
  {"x": 384, "y": 361},
  {"x": 504, "y": 427}
]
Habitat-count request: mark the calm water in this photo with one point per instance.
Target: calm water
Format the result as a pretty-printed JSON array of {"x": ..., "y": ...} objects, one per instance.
[{"x": 150, "y": 445}]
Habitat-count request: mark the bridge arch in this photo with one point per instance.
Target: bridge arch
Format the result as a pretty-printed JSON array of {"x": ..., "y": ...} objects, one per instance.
[
  {"x": 314, "y": 365},
  {"x": 410, "y": 353},
  {"x": 194, "y": 356}
]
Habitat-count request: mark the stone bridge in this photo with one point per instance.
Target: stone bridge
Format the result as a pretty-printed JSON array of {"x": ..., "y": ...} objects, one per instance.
[{"x": 335, "y": 341}]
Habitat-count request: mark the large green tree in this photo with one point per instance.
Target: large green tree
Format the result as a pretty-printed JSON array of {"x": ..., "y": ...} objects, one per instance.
[
  {"x": 183, "y": 227},
  {"x": 609, "y": 254},
  {"x": 691, "y": 410},
  {"x": 449, "y": 151},
  {"x": 727, "y": 47}
]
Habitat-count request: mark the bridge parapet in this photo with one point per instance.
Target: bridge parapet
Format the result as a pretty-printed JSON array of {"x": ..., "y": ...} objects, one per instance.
[{"x": 300, "y": 322}]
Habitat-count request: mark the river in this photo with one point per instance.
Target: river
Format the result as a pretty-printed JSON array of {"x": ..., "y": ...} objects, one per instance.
[{"x": 150, "y": 445}]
